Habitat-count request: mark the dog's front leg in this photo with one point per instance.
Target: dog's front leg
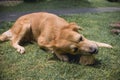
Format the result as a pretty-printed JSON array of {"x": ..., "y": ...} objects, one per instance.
[{"x": 87, "y": 60}]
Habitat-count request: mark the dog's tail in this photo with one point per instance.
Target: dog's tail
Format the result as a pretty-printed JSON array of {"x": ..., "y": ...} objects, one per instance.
[
  {"x": 6, "y": 36},
  {"x": 99, "y": 44}
]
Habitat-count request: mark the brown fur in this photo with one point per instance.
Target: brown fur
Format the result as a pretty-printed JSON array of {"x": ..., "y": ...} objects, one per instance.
[{"x": 52, "y": 33}]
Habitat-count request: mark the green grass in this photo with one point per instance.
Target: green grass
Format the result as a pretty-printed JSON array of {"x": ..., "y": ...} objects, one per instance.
[
  {"x": 58, "y": 4},
  {"x": 38, "y": 65}
]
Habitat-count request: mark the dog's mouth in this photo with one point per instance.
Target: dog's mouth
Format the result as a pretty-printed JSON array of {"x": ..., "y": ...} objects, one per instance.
[
  {"x": 92, "y": 52},
  {"x": 86, "y": 54}
]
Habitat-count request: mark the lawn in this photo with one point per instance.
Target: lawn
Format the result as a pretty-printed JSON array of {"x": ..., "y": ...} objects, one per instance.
[
  {"x": 58, "y": 4},
  {"x": 39, "y": 65}
]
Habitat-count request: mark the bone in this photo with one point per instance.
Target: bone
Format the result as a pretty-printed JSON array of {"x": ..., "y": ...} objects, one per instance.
[{"x": 99, "y": 44}]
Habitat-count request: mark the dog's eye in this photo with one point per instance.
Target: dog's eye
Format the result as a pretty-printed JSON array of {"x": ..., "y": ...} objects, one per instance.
[
  {"x": 75, "y": 49},
  {"x": 80, "y": 39}
]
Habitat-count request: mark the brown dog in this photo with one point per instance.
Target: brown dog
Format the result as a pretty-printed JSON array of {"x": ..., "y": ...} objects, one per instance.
[{"x": 54, "y": 34}]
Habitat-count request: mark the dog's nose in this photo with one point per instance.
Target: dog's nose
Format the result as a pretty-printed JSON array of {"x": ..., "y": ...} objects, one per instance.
[{"x": 93, "y": 50}]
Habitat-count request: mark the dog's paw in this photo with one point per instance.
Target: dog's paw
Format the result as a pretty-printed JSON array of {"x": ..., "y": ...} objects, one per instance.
[
  {"x": 62, "y": 57},
  {"x": 65, "y": 58},
  {"x": 21, "y": 50},
  {"x": 87, "y": 60}
]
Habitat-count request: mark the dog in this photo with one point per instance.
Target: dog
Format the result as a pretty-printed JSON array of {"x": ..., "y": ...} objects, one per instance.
[{"x": 52, "y": 33}]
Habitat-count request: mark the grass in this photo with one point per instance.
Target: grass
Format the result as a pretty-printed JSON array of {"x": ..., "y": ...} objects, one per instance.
[
  {"x": 58, "y": 4},
  {"x": 38, "y": 65}
]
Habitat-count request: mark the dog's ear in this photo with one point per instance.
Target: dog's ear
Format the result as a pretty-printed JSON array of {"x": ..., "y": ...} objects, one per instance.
[
  {"x": 61, "y": 43},
  {"x": 74, "y": 26},
  {"x": 52, "y": 44},
  {"x": 56, "y": 44}
]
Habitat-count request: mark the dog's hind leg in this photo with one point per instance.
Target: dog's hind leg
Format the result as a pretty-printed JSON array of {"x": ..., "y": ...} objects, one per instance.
[
  {"x": 19, "y": 36},
  {"x": 6, "y": 36}
]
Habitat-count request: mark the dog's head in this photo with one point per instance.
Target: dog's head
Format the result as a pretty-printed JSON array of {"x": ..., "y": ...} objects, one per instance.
[
  {"x": 71, "y": 41},
  {"x": 81, "y": 46},
  {"x": 84, "y": 46},
  {"x": 78, "y": 44}
]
